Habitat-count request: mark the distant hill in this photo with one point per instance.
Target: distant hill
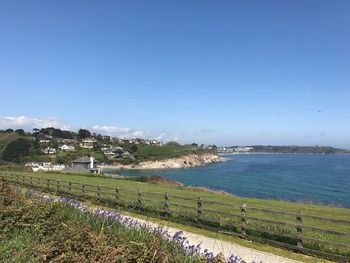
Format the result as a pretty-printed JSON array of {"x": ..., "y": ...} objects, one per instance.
[{"x": 298, "y": 149}]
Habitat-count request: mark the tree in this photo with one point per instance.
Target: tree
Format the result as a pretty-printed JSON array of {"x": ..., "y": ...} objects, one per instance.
[
  {"x": 134, "y": 148},
  {"x": 82, "y": 133},
  {"x": 20, "y": 132},
  {"x": 17, "y": 149},
  {"x": 172, "y": 143},
  {"x": 9, "y": 130}
]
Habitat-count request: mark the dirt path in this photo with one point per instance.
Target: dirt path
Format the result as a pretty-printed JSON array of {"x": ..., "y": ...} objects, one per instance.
[
  {"x": 227, "y": 248},
  {"x": 215, "y": 245}
]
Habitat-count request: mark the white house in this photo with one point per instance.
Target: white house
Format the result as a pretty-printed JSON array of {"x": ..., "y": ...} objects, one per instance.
[
  {"x": 87, "y": 143},
  {"x": 49, "y": 150},
  {"x": 67, "y": 148}
]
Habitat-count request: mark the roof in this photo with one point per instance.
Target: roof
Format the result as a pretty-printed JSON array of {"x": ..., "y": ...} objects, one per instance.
[{"x": 84, "y": 159}]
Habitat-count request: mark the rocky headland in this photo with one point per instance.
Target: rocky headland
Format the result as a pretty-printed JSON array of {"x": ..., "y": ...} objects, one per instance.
[{"x": 185, "y": 161}]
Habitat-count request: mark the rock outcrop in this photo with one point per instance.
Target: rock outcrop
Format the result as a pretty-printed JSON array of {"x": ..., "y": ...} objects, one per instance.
[{"x": 186, "y": 161}]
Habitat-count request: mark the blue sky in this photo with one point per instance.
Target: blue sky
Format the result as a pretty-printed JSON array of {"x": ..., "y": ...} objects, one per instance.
[{"x": 214, "y": 72}]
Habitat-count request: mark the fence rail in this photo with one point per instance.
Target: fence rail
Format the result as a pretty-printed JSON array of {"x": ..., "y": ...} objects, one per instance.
[{"x": 243, "y": 221}]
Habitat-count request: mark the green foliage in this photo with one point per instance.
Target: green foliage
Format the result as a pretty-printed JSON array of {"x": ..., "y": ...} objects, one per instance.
[
  {"x": 172, "y": 144},
  {"x": 126, "y": 160},
  {"x": 82, "y": 133},
  {"x": 134, "y": 148},
  {"x": 6, "y": 138},
  {"x": 50, "y": 232},
  {"x": 172, "y": 150},
  {"x": 62, "y": 159},
  {"x": 20, "y": 132},
  {"x": 56, "y": 133},
  {"x": 16, "y": 150},
  {"x": 297, "y": 149}
]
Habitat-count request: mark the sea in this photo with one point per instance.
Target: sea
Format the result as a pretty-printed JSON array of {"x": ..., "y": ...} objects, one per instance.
[{"x": 309, "y": 178}]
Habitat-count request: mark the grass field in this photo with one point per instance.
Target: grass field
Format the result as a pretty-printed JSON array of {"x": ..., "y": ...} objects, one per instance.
[
  {"x": 222, "y": 208},
  {"x": 35, "y": 231},
  {"x": 150, "y": 152}
]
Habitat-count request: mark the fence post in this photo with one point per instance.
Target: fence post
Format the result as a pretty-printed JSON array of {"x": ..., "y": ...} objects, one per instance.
[
  {"x": 83, "y": 189},
  {"x": 244, "y": 220},
  {"x": 199, "y": 207},
  {"x": 31, "y": 182},
  {"x": 48, "y": 185},
  {"x": 99, "y": 195},
  {"x": 57, "y": 186},
  {"x": 23, "y": 180},
  {"x": 166, "y": 205},
  {"x": 39, "y": 182},
  {"x": 139, "y": 200},
  {"x": 117, "y": 198},
  {"x": 70, "y": 188},
  {"x": 299, "y": 220}
]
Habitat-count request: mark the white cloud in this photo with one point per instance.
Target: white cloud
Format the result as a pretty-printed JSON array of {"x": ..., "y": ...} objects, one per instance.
[
  {"x": 121, "y": 132},
  {"x": 161, "y": 136},
  {"x": 139, "y": 134},
  {"x": 110, "y": 129},
  {"x": 28, "y": 123}
]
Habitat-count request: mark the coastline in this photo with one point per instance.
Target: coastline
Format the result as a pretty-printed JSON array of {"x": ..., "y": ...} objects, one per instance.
[{"x": 186, "y": 161}]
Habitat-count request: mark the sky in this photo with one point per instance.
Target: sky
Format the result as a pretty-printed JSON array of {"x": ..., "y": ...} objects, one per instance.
[{"x": 212, "y": 72}]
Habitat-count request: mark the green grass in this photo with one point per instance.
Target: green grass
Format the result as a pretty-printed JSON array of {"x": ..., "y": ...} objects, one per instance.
[
  {"x": 129, "y": 190},
  {"x": 236, "y": 240},
  {"x": 151, "y": 152},
  {"x": 32, "y": 231}
]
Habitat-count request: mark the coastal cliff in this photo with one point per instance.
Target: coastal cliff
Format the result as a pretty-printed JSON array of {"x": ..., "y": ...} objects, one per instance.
[{"x": 185, "y": 161}]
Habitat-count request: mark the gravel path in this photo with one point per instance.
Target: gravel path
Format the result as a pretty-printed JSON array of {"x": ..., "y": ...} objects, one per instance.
[{"x": 216, "y": 246}]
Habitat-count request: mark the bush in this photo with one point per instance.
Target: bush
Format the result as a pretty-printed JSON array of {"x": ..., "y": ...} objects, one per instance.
[{"x": 16, "y": 150}]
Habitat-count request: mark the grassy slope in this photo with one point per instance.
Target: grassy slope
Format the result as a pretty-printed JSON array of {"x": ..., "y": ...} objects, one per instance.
[
  {"x": 150, "y": 152},
  {"x": 130, "y": 188},
  {"x": 319, "y": 210},
  {"x": 32, "y": 231}
]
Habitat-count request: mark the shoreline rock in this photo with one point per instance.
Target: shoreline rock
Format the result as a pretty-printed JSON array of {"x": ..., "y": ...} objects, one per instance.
[{"x": 186, "y": 161}]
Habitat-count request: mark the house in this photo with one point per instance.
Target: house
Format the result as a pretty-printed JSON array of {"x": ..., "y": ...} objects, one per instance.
[
  {"x": 86, "y": 162},
  {"x": 112, "y": 151},
  {"x": 49, "y": 150},
  {"x": 87, "y": 143},
  {"x": 67, "y": 141},
  {"x": 44, "y": 141},
  {"x": 67, "y": 148}
]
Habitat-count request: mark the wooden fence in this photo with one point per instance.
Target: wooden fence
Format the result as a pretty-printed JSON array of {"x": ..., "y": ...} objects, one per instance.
[{"x": 292, "y": 230}]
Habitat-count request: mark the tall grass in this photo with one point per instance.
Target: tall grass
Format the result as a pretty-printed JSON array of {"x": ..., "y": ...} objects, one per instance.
[{"x": 32, "y": 231}]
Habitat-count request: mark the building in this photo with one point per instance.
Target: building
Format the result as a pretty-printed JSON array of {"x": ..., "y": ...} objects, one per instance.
[
  {"x": 49, "y": 150},
  {"x": 86, "y": 162},
  {"x": 67, "y": 148},
  {"x": 69, "y": 141},
  {"x": 87, "y": 143}
]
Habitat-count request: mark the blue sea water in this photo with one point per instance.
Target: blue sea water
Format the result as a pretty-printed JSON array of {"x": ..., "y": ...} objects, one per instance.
[{"x": 298, "y": 177}]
